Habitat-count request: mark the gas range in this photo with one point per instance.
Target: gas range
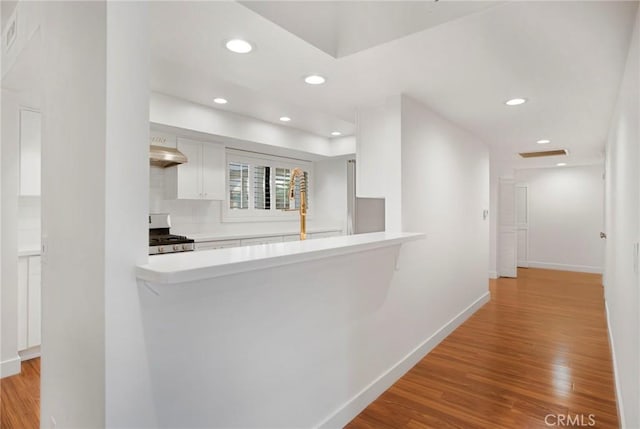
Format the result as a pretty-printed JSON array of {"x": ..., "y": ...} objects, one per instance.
[{"x": 162, "y": 241}]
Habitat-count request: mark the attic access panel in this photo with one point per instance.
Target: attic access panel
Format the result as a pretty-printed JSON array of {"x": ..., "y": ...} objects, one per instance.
[{"x": 544, "y": 153}]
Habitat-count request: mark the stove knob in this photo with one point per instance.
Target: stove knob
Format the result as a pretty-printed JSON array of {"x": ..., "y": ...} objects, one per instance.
[
  {"x": 176, "y": 247},
  {"x": 160, "y": 249},
  {"x": 185, "y": 247}
]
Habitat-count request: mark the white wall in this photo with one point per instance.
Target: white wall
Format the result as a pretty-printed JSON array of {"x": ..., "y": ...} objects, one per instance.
[
  {"x": 330, "y": 193},
  {"x": 9, "y": 360},
  {"x": 443, "y": 185},
  {"x": 445, "y": 188},
  {"x": 94, "y": 209},
  {"x": 566, "y": 206},
  {"x": 128, "y": 389},
  {"x": 253, "y": 351},
  {"x": 20, "y": 217},
  {"x": 378, "y": 157},
  {"x": 623, "y": 230},
  {"x": 73, "y": 206}
]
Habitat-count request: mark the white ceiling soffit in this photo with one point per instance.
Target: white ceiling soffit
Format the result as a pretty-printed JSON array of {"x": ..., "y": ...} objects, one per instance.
[
  {"x": 181, "y": 80},
  {"x": 342, "y": 28}
]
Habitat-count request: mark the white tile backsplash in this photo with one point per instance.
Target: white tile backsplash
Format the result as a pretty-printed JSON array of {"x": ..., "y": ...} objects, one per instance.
[{"x": 205, "y": 216}]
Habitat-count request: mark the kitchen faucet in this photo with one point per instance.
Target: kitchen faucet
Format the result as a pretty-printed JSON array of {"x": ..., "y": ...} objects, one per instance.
[{"x": 297, "y": 172}]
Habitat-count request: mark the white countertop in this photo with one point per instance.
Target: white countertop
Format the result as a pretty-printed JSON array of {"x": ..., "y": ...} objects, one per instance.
[
  {"x": 215, "y": 236},
  {"x": 193, "y": 266}
]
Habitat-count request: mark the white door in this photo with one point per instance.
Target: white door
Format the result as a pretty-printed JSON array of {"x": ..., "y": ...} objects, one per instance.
[
  {"x": 507, "y": 234},
  {"x": 522, "y": 223},
  {"x": 190, "y": 173}
]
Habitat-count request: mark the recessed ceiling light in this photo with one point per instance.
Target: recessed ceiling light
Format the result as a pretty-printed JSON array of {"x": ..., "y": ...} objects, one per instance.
[
  {"x": 285, "y": 118},
  {"x": 239, "y": 46},
  {"x": 336, "y": 133},
  {"x": 220, "y": 100},
  {"x": 561, "y": 164},
  {"x": 315, "y": 79},
  {"x": 515, "y": 101},
  {"x": 543, "y": 141}
]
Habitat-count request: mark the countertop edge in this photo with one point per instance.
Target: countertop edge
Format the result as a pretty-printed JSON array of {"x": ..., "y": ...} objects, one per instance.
[
  {"x": 148, "y": 273},
  {"x": 202, "y": 237}
]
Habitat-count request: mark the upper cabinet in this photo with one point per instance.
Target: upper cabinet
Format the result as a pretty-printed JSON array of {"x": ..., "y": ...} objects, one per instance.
[
  {"x": 30, "y": 152},
  {"x": 202, "y": 177}
]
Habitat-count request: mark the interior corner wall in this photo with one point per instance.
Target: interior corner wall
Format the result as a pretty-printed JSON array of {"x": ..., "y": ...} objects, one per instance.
[
  {"x": 622, "y": 217},
  {"x": 566, "y": 207},
  {"x": 128, "y": 390},
  {"x": 378, "y": 157}
]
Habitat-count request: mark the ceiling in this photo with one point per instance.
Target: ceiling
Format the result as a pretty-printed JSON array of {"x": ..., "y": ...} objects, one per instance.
[
  {"x": 343, "y": 28},
  {"x": 6, "y": 9},
  {"x": 461, "y": 60}
]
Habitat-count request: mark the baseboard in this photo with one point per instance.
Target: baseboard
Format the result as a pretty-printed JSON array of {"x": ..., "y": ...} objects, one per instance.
[
  {"x": 32, "y": 353},
  {"x": 10, "y": 367},
  {"x": 566, "y": 267},
  {"x": 359, "y": 402},
  {"x": 493, "y": 274},
  {"x": 616, "y": 374}
]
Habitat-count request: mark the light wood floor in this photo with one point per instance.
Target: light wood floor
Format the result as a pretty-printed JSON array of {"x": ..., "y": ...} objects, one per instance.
[
  {"x": 539, "y": 347},
  {"x": 20, "y": 398}
]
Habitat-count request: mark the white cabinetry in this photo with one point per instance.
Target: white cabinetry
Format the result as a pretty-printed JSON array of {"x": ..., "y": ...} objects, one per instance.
[
  {"x": 219, "y": 244},
  {"x": 324, "y": 234},
  {"x": 261, "y": 240},
  {"x": 202, "y": 177},
  {"x": 250, "y": 241},
  {"x": 29, "y": 302},
  {"x": 30, "y": 132}
]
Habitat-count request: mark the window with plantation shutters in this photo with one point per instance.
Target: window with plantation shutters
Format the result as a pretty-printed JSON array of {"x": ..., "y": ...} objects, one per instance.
[
  {"x": 282, "y": 178},
  {"x": 262, "y": 187},
  {"x": 282, "y": 188},
  {"x": 238, "y": 186},
  {"x": 258, "y": 186}
]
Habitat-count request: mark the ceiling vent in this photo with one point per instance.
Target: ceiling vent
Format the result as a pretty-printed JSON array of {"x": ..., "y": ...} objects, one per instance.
[{"x": 544, "y": 153}]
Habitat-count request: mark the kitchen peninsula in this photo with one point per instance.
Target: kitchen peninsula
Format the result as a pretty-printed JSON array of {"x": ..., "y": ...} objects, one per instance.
[{"x": 244, "y": 328}]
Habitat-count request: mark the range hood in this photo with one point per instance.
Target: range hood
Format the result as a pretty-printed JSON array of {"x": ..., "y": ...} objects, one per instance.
[{"x": 164, "y": 157}]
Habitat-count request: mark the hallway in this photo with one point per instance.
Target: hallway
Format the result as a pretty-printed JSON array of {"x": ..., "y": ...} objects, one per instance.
[{"x": 539, "y": 348}]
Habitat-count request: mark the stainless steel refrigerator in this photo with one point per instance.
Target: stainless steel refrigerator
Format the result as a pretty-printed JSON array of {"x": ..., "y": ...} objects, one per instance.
[{"x": 363, "y": 214}]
